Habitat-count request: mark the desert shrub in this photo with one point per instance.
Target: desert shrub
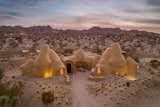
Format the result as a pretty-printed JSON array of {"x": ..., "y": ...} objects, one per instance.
[
  {"x": 68, "y": 51},
  {"x": 10, "y": 94},
  {"x": 47, "y": 97},
  {"x": 16, "y": 89},
  {"x": 15, "y": 101},
  {"x": 1, "y": 73},
  {"x": 128, "y": 84},
  {"x": 4, "y": 100},
  {"x": 136, "y": 59},
  {"x": 155, "y": 63},
  {"x": 4, "y": 89},
  {"x": 97, "y": 50}
]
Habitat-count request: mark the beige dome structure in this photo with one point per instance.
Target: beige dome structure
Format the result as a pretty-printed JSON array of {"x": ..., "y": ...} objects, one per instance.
[
  {"x": 27, "y": 67},
  {"x": 81, "y": 59},
  {"x": 46, "y": 64},
  {"x": 43, "y": 62},
  {"x": 112, "y": 60},
  {"x": 131, "y": 69},
  {"x": 131, "y": 66},
  {"x": 56, "y": 63}
]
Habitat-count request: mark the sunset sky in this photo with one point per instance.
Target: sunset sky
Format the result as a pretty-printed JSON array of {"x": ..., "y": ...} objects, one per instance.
[{"x": 82, "y": 14}]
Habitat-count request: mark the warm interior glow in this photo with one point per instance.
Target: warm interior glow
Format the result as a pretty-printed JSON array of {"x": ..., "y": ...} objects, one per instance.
[
  {"x": 61, "y": 71},
  {"x": 131, "y": 78},
  {"x": 121, "y": 73},
  {"x": 98, "y": 71},
  {"x": 117, "y": 73},
  {"x": 48, "y": 74}
]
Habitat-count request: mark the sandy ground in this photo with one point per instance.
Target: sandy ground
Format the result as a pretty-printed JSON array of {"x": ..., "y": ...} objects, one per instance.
[
  {"x": 114, "y": 91},
  {"x": 149, "y": 98},
  {"x": 33, "y": 87}
]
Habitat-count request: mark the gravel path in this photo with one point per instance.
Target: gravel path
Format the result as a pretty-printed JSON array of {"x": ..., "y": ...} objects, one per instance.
[{"x": 80, "y": 94}]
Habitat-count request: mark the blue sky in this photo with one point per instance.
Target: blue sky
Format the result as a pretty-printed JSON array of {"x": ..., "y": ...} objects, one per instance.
[{"x": 82, "y": 14}]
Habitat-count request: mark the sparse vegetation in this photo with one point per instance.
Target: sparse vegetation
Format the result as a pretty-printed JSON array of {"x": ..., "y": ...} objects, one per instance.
[
  {"x": 15, "y": 101},
  {"x": 10, "y": 94},
  {"x": 155, "y": 63},
  {"x": 68, "y": 51},
  {"x": 47, "y": 97},
  {"x": 97, "y": 50},
  {"x": 16, "y": 89},
  {"x": 136, "y": 59},
  {"x": 1, "y": 73},
  {"x": 4, "y": 100}
]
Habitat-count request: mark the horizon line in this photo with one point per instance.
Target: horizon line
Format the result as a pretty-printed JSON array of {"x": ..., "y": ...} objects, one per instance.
[{"x": 80, "y": 28}]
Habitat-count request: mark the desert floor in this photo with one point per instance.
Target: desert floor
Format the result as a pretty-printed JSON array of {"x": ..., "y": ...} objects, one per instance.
[
  {"x": 81, "y": 92},
  {"x": 112, "y": 92}
]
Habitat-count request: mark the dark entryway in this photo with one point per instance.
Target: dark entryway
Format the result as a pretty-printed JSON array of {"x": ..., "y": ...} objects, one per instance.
[{"x": 69, "y": 68}]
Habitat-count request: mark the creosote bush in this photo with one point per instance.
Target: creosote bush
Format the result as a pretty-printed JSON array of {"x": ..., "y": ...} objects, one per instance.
[
  {"x": 1, "y": 73},
  {"x": 16, "y": 89},
  {"x": 15, "y": 101},
  {"x": 4, "y": 101},
  {"x": 47, "y": 97},
  {"x": 136, "y": 59},
  {"x": 155, "y": 63}
]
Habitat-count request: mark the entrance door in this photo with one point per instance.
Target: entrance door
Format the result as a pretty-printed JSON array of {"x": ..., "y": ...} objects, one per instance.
[{"x": 69, "y": 68}]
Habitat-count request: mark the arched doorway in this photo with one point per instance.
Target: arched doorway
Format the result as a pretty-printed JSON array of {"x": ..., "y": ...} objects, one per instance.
[{"x": 69, "y": 68}]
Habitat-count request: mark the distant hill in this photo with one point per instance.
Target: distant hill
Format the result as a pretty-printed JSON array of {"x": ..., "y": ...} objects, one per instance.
[
  {"x": 48, "y": 30},
  {"x": 95, "y": 39}
]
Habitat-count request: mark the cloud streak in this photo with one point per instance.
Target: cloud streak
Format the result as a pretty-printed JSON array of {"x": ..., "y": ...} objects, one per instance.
[
  {"x": 154, "y": 2},
  {"x": 22, "y": 2},
  {"x": 16, "y": 14},
  {"x": 5, "y": 16},
  {"x": 146, "y": 21}
]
